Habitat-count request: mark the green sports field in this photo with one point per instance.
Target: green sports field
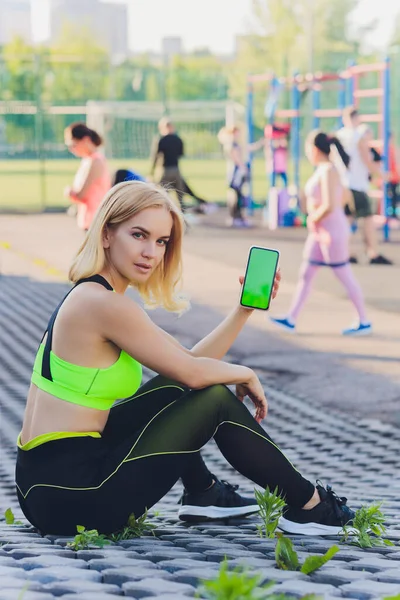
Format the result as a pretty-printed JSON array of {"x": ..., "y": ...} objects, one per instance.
[{"x": 26, "y": 185}]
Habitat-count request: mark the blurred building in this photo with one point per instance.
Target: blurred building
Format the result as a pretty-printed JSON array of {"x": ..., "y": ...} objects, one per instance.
[
  {"x": 15, "y": 19},
  {"x": 108, "y": 22},
  {"x": 171, "y": 46}
]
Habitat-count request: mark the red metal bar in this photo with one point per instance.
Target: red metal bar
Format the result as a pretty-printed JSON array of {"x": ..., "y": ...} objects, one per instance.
[
  {"x": 327, "y": 112},
  {"x": 360, "y": 69},
  {"x": 326, "y": 77},
  {"x": 287, "y": 113},
  {"x": 258, "y": 78},
  {"x": 372, "y": 93},
  {"x": 372, "y": 118}
]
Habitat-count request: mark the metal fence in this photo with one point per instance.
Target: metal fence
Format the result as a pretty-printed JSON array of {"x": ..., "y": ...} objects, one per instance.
[{"x": 40, "y": 96}]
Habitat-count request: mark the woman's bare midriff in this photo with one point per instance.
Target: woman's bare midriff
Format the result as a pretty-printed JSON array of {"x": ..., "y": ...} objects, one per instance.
[{"x": 46, "y": 413}]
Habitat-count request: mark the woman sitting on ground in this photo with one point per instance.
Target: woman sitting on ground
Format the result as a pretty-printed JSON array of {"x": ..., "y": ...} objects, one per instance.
[{"x": 83, "y": 460}]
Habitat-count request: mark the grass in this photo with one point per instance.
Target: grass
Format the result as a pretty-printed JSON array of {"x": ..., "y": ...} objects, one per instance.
[{"x": 24, "y": 188}]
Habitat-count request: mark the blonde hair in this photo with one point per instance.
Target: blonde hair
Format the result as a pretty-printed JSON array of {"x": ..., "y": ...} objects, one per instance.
[{"x": 121, "y": 203}]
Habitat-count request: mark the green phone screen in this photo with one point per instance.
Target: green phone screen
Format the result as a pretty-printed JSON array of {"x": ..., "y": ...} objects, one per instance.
[{"x": 259, "y": 279}]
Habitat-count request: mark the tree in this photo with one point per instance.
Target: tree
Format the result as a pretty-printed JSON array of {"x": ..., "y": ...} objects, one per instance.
[
  {"x": 80, "y": 67},
  {"x": 199, "y": 76},
  {"x": 299, "y": 36},
  {"x": 20, "y": 71}
]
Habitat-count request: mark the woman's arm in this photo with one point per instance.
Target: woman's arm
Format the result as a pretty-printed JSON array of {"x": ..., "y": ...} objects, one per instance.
[
  {"x": 217, "y": 343},
  {"x": 374, "y": 168},
  {"x": 123, "y": 322},
  {"x": 155, "y": 155},
  {"x": 95, "y": 172},
  {"x": 303, "y": 201},
  {"x": 254, "y": 146},
  {"x": 328, "y": 181}
]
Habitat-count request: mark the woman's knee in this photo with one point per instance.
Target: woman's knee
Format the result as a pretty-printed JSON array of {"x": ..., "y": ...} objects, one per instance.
[{"x": 216, "y": 397}]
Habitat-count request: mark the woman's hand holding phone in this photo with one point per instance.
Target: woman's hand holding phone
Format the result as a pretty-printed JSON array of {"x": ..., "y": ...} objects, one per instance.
[
  {"x": 275, "y": 289},
  {"x": 254, "y": 390}
]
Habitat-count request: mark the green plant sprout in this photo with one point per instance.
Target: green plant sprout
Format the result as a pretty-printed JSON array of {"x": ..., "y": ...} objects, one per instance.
[
  {"x": 367, "y": 520},
  {"x": 86, "y": 538},
  {"x": 238, "y": 584},
  {"x": 10, "y": 519},
  {"x": 134, "y": 528},
  {"x": 287, "y": 559},
  {"x": 271, "y": 509}
]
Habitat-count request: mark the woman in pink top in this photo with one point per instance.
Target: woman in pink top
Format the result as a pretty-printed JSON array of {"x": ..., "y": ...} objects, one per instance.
[
  {"x": 328, "y": 233},
  {"x": 92, "y": 180}
]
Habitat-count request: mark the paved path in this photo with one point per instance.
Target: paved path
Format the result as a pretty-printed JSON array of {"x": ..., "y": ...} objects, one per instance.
[
  {"x": 360, "y": 375},
  {"x": 327, "y": 432}
]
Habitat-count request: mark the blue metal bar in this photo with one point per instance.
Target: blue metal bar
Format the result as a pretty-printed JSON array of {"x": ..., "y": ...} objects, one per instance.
[
  {"x": 386, "y": 136},
  {"x": 250, "y": 139},
  {"x": 296, "y": 133},
  {"x": 316, "y": 105},
  {"x": 341, "y": 99},
  {"x": 350, "y": 86},
  {"x": 271, "y": 119}
]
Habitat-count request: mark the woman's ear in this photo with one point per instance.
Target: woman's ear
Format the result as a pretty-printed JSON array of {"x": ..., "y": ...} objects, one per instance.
[{"x": 106, "y": 237}]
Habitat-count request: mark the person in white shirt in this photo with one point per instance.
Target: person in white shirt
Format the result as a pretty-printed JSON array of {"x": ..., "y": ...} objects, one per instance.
[{"x": 357, "y": 178}]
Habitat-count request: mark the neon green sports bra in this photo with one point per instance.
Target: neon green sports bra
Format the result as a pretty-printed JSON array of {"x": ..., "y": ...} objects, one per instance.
[{"x": 86, "y": 386}]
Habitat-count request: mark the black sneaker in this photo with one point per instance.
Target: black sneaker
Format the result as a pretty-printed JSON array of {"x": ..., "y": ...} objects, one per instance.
[
  {"x": 221, "y": 501},
  {"x": 380, "y": 260},
  {"x": 353, "y": 260},
  {"x": 327, "y": 518}
]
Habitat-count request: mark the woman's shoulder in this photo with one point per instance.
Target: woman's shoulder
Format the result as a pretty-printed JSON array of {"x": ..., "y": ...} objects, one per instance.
[
  {"x": 95, "y": 306},
  {"x": 97, "y": 158}
]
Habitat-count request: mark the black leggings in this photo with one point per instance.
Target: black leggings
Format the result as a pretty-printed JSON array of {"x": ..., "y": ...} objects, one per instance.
[{"x": 149, "y": 442}]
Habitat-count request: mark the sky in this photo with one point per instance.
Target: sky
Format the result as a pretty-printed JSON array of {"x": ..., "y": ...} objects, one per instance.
[{"x": 212, "y": 23}]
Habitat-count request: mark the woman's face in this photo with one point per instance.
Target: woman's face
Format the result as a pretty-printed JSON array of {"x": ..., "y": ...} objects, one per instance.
[
  {"x": 76, "y": 147},
  {"x": 311, "y": 152},
  {"x": 137, "y": 246}
]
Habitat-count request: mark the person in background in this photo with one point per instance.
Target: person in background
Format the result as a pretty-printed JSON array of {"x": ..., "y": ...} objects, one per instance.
[
  {"x": 394, "y": 177},
  {"x": 229, "y": 138},
  {"x": 170, "y": 147},
  {"x": 126, "y": 175},
  {"x": 355, "y": 142},
  {"x": 276, "y": 153},
  {"x": 328, "y": 233},
  {"x": 92, "y": 180}
]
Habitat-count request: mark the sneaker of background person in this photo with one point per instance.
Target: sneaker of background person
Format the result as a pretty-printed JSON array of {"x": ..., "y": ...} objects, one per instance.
[
  {"x": 353, "y": 260},
  {"x": 285, "y": 324},
  {"x": 380, "y": 260},
  {"x": 238, "y": 223},
  {"x": 208, "y": 208},
  {"x": 327, "y": 518},
  {"x": 358, "y": 329},
  {"x": 220, "y": 501}
]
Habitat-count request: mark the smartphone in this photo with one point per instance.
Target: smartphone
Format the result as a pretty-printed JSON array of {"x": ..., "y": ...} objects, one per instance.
[{"x": 258, "y": 284}]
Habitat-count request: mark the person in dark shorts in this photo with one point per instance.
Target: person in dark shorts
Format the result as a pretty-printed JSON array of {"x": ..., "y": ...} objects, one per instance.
[
  {"x": 170, "y": 147},
  {"x": 354, "y": 138}
]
